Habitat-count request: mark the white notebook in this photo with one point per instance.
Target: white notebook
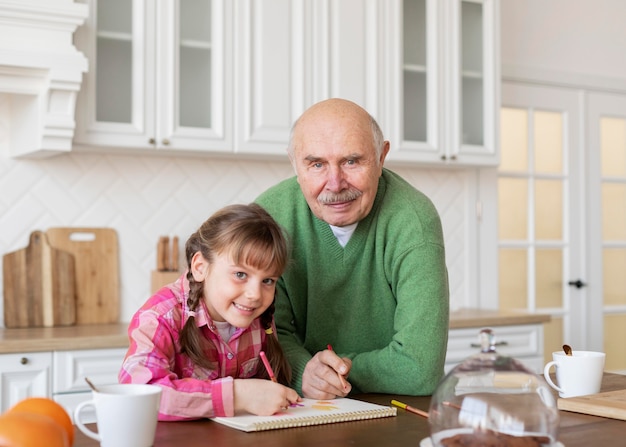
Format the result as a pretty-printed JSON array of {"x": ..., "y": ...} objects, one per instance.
[{"x": 310, "y": 412}]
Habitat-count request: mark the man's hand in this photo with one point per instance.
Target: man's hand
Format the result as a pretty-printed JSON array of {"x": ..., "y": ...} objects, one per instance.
[{"x": 325, "y": 375}]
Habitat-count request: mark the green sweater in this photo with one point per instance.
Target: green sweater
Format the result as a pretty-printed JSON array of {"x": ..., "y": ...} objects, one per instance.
[{"x": 382, "y": 301}]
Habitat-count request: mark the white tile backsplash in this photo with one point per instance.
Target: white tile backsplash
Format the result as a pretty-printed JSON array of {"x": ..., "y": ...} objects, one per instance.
[{"x": 145, "y": 196}]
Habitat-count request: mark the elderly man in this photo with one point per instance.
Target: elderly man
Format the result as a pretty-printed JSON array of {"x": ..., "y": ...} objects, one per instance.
[{"x": 363, "y": 306}]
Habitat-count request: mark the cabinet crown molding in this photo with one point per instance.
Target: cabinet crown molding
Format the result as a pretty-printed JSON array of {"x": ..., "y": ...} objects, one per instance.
[{"x": 40, "y": 75}]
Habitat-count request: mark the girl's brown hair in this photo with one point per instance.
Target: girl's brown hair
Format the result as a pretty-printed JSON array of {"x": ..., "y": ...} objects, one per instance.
[{"x": 251, "y": 237}]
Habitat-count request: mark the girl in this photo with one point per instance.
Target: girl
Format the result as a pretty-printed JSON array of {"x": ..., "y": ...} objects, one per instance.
[{"x": 200, "y": 337}]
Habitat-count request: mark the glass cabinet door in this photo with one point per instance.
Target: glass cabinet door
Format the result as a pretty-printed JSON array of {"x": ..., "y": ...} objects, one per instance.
[
  {"x": 472, "y": 79},
  {"x": 420, "y": 100},
  {"x": 160, "y": 75},
  {"x": 447, "y": 94},
  {"x": 192, "y": 83},
  {"x": 475, "y": 87},
  {"x": 114, "y": 68},
  {"x": 194, "y": 65}
]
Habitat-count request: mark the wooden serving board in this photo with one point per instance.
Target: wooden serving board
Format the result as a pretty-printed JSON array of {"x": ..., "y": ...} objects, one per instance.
[
  {"x": 610, "y": 404},
  {"x": 39, "y": 285},
  {"x": 97, "y": 271}
]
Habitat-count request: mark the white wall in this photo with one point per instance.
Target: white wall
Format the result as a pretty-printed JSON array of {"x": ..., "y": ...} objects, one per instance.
[{"x": 583, "y": 37}]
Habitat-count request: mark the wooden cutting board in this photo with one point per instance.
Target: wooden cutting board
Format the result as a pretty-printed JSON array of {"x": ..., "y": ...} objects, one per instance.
[
  {"x": 609, "y": 404},
  {"x": 97, "y": 271},
  {"x": 39, "y": 285}
]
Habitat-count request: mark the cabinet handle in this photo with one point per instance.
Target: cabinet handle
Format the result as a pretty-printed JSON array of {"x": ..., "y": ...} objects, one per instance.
[
  {"x": 152, "y": 141},
  {"x": 453, "y": 157},
  {"x": 24, "y": 360},
  {"x": 165, "y": 142},
  {"x": 443, "y": 157},
  {"x": 498, "y": 343}
]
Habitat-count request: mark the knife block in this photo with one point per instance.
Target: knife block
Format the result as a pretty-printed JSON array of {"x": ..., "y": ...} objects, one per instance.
[{"x": 160, "y": 279}]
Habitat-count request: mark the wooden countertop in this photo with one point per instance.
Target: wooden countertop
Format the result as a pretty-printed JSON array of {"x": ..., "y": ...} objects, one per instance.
[
  {"x": 406, "y": 429},
  {"x": 64, "y": 338},
  {"x": 474, "y": 318},
  {"x": 99, "y": 336}
]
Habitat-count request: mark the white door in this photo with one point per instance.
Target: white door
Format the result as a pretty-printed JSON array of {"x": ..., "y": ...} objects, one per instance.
[
  {"x": 606, "y": 197},
  {"x": 541, "y": 210},
  {"x": 562, "y": 215}
]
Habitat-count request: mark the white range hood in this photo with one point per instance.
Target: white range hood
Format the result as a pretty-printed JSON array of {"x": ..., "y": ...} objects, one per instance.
[{"x": 40, "y": 75}]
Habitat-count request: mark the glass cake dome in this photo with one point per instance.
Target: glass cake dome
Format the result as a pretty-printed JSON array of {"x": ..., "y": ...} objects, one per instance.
[{"x": 491, "y": 399}]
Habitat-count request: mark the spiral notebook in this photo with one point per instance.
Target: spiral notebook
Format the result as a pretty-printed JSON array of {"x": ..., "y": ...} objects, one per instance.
[{"x": 310, "y": 412}]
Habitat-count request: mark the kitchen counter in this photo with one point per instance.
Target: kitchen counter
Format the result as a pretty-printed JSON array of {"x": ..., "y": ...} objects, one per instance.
[
  {"x": 64, "y": 338},
  {"x": 115, "y": 335},
  {"x": 474, "y": 318},
  {"x": 405, "y": 429}
]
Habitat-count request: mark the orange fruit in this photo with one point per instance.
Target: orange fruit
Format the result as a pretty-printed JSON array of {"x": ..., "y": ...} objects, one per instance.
[
  {"x": 21, "y": 429},
  {"x": 47, "y": 407}
]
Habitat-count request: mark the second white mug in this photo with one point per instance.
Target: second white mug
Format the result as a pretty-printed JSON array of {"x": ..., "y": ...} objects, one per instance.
[{"x": 578, "y": 374}]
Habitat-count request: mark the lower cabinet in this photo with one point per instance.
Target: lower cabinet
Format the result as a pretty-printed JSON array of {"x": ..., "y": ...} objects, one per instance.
[
  {"x": 24, "y": 375},
  {"x": 523, "y": 342},
  {"x": 69, "y": 388},
  {"x": 59, "y": 375}
]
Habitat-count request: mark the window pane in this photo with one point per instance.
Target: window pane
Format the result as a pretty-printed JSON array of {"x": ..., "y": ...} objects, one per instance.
[
  {"x": 613, "y": 211},
  {"x": 614, "y": 336},
  {"x": 548, "y": 145},
  {"x": 548, "y": 209},
  {"x": 614, "y": 280},
  {"x": 513, "y": 272},
  {"x": 613, "y": 146},
  {"x": 513, "y": 139},
  {"x": 549, "y": 280},
  {"x": 512, "y": 208}
]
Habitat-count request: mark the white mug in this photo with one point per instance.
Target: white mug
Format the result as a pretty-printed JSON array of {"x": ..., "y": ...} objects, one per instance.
[
  {"x": 126, "y": 415},
  {"x": 578, "y": 374}
]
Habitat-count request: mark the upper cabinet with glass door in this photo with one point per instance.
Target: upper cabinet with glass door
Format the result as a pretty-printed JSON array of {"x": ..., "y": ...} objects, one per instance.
[
  {"x": 159, "y": 76},
  {"x": 443, "y": 90}
]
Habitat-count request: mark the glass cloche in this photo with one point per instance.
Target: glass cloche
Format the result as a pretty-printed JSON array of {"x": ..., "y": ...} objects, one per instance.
[{"x": 490, "y": 399}]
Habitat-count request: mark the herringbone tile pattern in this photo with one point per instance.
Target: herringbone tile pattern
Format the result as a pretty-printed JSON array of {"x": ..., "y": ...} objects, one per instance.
[{"x": 145, "y": 196}]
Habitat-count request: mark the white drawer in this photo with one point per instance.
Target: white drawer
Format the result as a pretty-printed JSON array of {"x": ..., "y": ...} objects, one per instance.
[
  {"x": 101, "y": 366},
  {"x": 514, "y": 341}
]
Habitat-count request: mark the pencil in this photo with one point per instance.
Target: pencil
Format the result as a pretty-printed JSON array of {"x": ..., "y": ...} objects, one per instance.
[
  {"x": 268, "y": 367},
  {"x": 409, "y": 408},
  {"x": 343, "y": 380}
]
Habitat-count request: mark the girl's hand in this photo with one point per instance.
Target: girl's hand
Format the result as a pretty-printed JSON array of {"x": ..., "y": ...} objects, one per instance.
[{"x": 262, "y": 397}]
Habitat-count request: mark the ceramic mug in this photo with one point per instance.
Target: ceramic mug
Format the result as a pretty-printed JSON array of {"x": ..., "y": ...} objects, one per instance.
[
  {"x": 126, "y": 415},
  {"x": 578, "y": 374}
]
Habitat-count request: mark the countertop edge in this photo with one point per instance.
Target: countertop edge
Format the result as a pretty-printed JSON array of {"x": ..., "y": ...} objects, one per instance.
[{"x": 115, "y": 335}]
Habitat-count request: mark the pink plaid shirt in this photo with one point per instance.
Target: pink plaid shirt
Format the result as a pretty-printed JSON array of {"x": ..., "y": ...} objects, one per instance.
[{"x": 154, "y": 356}]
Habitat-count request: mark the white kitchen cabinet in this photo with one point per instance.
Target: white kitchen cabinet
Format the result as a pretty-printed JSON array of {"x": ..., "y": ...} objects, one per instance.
[
  {"x": 185, "y": 76},
  {"x": 24, "y": 375},
  {"x": 443, "y": 81},
  {"x": 523, "y": 342},
  {"x": 59, "y": 375},
  {"x": 69, "y": 387},
  {"x": 160, "y": 75}
]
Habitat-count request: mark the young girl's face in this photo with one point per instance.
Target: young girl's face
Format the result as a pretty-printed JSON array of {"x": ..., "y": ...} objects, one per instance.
[{"x": 234, "y": 293}]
